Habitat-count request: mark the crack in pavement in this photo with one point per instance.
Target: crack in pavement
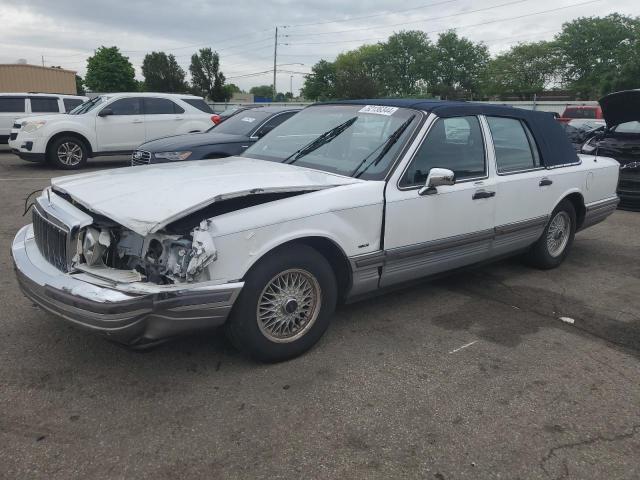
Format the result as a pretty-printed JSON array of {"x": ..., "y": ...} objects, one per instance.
[{"x": 589, "y": 441}]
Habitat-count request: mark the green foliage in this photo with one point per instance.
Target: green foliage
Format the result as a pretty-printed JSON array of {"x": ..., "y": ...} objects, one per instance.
[
  {"x": 526, "y": 69},
  {"x": 357, "y": 73},
  {"x": 405, "y": 64},
  {"x": 80, "y": 85},
  {"x": 321, "y": 83},
  {"x": 206, "y": 77},
  {"x": 109, "y": 71},
  {"x": 265, "y": 91},
  {"x": 600, "y": 54},
  {"x": 163, "y": 74}
]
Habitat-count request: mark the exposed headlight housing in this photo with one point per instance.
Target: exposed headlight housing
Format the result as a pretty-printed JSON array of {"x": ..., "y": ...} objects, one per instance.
[
  {"x": 29, "y": 127},
  {"x": 173, "y": 156}
]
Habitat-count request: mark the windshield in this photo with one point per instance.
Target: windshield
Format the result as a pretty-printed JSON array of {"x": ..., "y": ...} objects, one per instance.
[
  {"x": 362, "y": 139},
  {"x": 243, "y": 123},
  {"x": 88, "y": 105},
  {"x": 628, "y": 127}
]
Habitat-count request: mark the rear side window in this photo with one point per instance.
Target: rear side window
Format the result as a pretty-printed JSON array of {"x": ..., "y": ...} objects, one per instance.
[
  {"x": 199, "y": 104},
  {"x": 126, "y": 106},
  {"x": 161, "y": 106},
  {"x": 12, "y": 104},
  {"x": 44, "y": 105},
  {"x": 454, "y": 143},
  {"x": 71, "y": 103},
  {"x": 514, "y": 145}
]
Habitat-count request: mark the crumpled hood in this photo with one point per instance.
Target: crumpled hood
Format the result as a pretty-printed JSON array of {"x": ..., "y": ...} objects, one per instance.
[
  {"x": 146, "y": 198},
  {"x": 620, "y": 107},
  {"x": 189, "y": 140}
]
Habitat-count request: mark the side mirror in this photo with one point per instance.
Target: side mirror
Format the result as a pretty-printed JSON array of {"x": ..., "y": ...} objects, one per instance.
[
  {"x": 437, "y": 177},
  {"x": 105, "y": 112}
]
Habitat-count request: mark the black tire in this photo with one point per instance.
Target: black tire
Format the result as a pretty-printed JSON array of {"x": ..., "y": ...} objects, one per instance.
[
  {"x": 243, "y": 328},
  {"x": 56, "y": 149},
  {"x": 541, "y": 255}
]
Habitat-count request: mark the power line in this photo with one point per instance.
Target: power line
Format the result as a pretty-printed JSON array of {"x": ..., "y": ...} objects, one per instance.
[
  {"x": 455, "y": 28},
  {"x": 467, "y": 12}
]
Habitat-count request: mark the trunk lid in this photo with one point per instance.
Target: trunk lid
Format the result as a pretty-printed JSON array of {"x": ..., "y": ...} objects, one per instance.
[{"x": 621, "y": 107}]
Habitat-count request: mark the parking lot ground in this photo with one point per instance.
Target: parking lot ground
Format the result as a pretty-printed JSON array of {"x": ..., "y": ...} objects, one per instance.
[{"x": 472, "y": 376}]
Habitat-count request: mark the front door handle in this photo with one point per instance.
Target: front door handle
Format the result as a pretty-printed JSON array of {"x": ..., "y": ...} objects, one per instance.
[
  {"x": 483, "y": 194},
  {"x": 545, "y": 182},
  {"x": 137, "y": 120}
]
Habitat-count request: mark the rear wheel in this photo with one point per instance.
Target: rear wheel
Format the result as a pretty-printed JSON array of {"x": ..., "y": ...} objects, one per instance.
[
  {"x": 67, "y": 153},
  {"x": 553, "y": 246},
  {"x": 285, "y": 306}
]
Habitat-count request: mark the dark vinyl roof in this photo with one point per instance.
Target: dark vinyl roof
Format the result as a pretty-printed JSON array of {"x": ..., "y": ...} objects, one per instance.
[{"x": 555, "y": 148}]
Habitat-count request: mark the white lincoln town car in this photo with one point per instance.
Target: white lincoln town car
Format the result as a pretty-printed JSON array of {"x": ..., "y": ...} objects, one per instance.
[{"x": 341, "y": 201}]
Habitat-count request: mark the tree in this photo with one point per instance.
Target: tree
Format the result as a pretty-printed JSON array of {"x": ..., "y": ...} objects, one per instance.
[
  {"x": 357, "y": 74},
  {"x": 80, "y": 85},
  {"x": 264, "y": 91},
  {"x": 206, "y": 77},
  {"x": 458, "y": 66},
  {"x": 405, "y": 59},
  {"x": 162, "y": 73},
  {"x": 597, "y": 52},
  {"x": 526, "y": 69},
  {"x": 109, "y": 71},
  {"x": 320, "y": 84}
]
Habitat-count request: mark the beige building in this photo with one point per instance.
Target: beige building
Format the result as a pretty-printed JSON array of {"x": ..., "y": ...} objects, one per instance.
[{"x": 17, "y": 77}]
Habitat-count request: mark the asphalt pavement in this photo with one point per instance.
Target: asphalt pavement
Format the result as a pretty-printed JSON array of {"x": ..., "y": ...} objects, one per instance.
[{"x": 497, "y": 372}]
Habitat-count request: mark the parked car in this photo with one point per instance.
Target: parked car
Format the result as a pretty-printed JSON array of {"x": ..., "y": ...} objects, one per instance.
[
  {"x": 621, "y": 140},
  {"x": 111, "y": 124},
  {"x": 231, "y": 138},
  {"x": 320, "y": 210},
  {"x": 16, "y": 105},
  {"x": 579, "y": 130},
  {"x": 591, "y": 112}
]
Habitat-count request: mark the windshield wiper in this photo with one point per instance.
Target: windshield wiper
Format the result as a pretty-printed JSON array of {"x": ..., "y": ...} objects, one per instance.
[
  {"x": 386, "y": 146},
  {"x": 323, "y": 139}
]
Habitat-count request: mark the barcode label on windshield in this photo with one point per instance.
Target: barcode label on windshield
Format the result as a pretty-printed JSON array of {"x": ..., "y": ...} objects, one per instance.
[{"x": 378, "y": 110}]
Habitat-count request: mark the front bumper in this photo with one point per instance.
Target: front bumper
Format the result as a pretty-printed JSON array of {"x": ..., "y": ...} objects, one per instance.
[
  {"x": 129, "y": 318},
  {"x": 29, "y": 147}
]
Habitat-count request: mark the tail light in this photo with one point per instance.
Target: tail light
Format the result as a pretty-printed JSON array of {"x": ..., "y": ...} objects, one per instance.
[{"x": 216, "y": 119}]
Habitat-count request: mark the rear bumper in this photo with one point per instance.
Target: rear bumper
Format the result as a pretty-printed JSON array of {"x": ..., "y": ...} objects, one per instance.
[
  {"x": 596, "y": 212},
  {"x": 132, "y": 319}
]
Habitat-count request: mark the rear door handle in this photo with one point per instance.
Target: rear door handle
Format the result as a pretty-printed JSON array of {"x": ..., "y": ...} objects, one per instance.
[
  {"x": 483, "y": 194},
  {"x": 545, "y": 182}
]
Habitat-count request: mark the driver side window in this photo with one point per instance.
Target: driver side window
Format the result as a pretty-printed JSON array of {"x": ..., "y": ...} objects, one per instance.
[
  {"x": 455, "y": 143},
  {"x": 126, "y": 106}
]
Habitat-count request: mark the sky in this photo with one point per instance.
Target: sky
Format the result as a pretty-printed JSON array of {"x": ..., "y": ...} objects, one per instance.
[{"x": 66, "y": 32}]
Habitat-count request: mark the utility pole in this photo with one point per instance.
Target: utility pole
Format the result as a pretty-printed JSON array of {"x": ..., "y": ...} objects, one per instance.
[
  {"x": 291, "y": 85},
  {"x": 43, "y": 60},
  {"x": 275, "y": 59}
]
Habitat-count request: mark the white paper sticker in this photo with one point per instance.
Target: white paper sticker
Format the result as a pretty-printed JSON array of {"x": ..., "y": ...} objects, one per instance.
[
  {"x": 378, "y": 110},
  {"x": 248, "y": 119}
]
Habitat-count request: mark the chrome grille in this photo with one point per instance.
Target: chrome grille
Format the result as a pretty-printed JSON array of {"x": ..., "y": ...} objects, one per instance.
[
  {"x": 140, "y": 157},
  {"x": 51, "y": 240}
]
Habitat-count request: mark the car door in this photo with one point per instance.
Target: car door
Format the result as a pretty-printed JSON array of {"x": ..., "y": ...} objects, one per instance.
[
  {"x": 429, "y": 232},
  {"x": 525, "y": 191},
  {"x": 162, "y": 118},
  {"x": 122, "y": 128},
  {"x": 11, "y": 108}
]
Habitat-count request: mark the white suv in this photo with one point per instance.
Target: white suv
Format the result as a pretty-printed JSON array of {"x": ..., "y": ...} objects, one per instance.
[
  {"x": 110, "y": 124},
  {"x": 16, "y": 105}
]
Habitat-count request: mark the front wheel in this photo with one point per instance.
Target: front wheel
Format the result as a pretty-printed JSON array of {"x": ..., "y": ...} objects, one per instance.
[
  {"x": 67, "y": 153},
  {"x": 285, "y": 306},
  {"x": 553, "y": 246}
]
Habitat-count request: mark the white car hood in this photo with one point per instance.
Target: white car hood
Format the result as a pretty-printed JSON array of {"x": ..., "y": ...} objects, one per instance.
[{"x": 146, "y": 198}]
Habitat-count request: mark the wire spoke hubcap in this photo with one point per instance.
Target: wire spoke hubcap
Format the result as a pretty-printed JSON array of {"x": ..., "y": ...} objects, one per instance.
[
  {"x": 69, "y": 153},
  {"x": 289, "y": 305},
  {"x": 558, "y": 234}
]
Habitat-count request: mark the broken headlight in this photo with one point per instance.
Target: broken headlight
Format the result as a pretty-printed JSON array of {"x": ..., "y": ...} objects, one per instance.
[
  {"x": 173, "y": 156},
  {"x": 94, "y": 244}
]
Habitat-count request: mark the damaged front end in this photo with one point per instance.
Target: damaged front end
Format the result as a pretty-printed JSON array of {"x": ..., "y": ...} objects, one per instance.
[{"x": 110, "y": 251}]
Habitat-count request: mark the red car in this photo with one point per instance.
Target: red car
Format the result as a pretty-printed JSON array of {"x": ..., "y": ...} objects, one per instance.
[{"x": 591, "y": 112}]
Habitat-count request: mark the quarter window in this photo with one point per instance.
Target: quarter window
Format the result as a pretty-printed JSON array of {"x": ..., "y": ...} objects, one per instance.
[
  {"x": 126, "y": 106},
  {"x": 273, "y": 123},
  {"x": 514, "y": 145},
  {"x": 12, "y": 104},
  {"x": 44, "y": 105},
  {"x": 161, "y": 106},
  {"x": 454, "y": 143},
  {"x": 199, "y": 104}
]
